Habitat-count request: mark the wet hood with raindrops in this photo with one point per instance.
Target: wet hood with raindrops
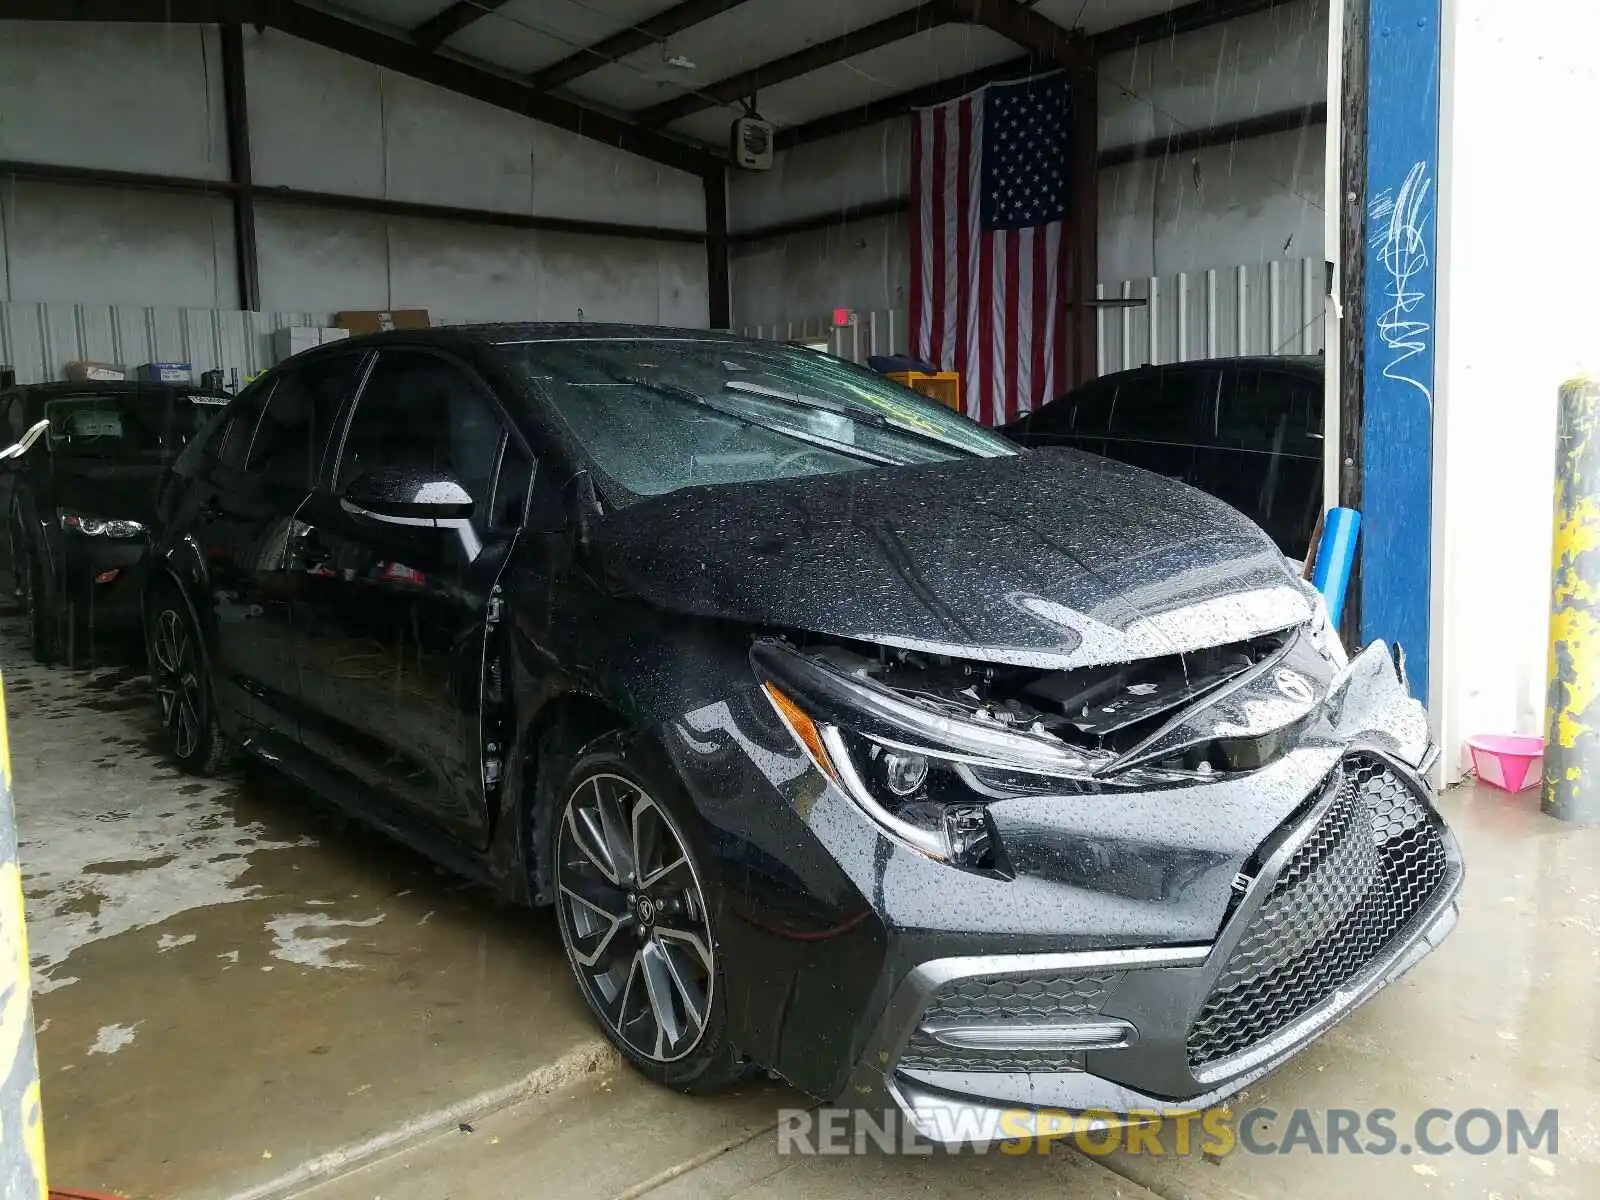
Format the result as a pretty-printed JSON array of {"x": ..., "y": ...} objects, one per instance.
[{"x": 1051, "y": 558}]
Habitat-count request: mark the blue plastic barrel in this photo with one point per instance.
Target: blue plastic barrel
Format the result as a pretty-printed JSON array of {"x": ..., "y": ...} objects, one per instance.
[{"x": 1336, "y": 556}]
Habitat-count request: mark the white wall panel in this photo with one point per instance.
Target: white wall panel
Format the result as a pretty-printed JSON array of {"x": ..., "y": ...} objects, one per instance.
[
  {"x": 144, "y": 98},
  {"x": 862, "y": 265},
  {"x": 68, "y": 242},
  {"x": 324, "y": 122},
  {"x": 1250, "y": 202},
  {"x": 861, "y": 167},
  {"x": 1267, "y": 62},
  {"x": 329, "y": 261},
  {"x": 1264, "y": 308}
]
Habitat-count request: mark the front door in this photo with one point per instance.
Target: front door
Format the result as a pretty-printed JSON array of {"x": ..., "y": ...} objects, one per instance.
[
  {"x": 391, "y": 618},
  {"x": 245, "y": 499}
]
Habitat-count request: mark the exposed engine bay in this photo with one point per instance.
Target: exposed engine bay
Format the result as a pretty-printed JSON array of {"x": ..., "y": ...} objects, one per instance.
[{"x": 1112, "y": 708}]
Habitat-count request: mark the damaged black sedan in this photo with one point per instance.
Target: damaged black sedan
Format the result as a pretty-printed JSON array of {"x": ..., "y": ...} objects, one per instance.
[{"x": 846, "y": 740}]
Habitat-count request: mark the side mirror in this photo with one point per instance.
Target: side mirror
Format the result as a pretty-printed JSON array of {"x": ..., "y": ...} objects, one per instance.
[
  {"x": 403, "y": 496},
  {"x": 35, "y": 431}
]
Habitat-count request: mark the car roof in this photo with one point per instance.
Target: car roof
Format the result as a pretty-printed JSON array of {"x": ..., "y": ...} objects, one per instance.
[
  {"x": 1307, "y": 364},
  {"x": 511, "y": 334}
]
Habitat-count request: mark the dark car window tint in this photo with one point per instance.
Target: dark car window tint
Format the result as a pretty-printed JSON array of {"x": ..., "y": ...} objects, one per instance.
[
  {"x": 293, "y": 430},
  {"x": 1274, "y": 411},
  {"x": 1090, "y": 411},
  {"x": 421, "y": 411},
  {"x": 1163, "y": 406},
  {"x": 16, "y": 426}
]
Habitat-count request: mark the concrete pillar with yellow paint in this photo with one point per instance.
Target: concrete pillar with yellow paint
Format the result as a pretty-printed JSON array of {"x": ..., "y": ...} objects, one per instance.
[
  {"x": 21, "y": 1120},
  {"x": 1572, "y": 742}
]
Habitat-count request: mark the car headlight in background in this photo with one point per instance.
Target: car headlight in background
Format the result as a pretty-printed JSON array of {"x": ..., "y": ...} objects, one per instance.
[{"x": 76, "y": 522}]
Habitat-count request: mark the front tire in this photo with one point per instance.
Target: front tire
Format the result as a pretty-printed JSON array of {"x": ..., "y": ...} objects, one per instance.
[
  {"x": 181, "y": 685},
  {"x": 635, "y": 909},
  {"x": 34, "y": 599}
]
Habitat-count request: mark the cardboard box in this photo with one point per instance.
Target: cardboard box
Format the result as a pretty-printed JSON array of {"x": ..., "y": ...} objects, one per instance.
[
  {"x": 83, "y": 371},
  {"x": 165, "y": 372},
  {"x": 360, "y": 321},
  {"x": 292, "y": 339}
]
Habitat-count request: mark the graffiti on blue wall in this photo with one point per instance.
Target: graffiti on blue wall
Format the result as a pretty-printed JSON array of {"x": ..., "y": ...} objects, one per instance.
[{"x": 1398, "y": 384}]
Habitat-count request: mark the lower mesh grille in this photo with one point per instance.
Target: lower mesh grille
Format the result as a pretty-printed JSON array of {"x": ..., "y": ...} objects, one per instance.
[
  {"x": 1373, "y": 863},
  {"x": 1006, "y": 1000}
]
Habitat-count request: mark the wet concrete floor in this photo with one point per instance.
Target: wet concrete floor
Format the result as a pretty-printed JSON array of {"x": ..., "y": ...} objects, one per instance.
[
  {"x": 233, "y": 981},
  {"x": 230, "y": 978}
]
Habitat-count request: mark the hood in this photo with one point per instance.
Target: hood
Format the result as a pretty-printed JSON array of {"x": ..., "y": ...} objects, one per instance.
[
  {"x": 1050, "y": 558},
  {"x": 114, "y": 490}
]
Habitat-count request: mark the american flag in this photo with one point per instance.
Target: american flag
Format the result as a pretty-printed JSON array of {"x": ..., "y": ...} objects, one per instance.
[{"x": 989, "y": 245}]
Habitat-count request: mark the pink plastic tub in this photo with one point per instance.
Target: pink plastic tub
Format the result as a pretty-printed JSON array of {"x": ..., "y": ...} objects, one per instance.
[{"x": 1510, "y": 762}]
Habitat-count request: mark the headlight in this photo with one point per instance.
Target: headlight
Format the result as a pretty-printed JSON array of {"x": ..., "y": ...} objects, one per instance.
[
  {"x": 76, "y": 522},
  {"x": 922, "y": 776}
]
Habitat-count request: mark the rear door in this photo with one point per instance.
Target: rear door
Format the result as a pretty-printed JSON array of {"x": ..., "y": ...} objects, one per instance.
[
  {"x": 244, "y": 502},
  {"x": 391, "y": 619}
]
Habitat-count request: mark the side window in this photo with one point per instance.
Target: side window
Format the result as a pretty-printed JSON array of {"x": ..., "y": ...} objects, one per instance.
[
  {"x": 420, "y": 411},
  {"x": 1270, "y": 411},
  {"x": 234, "y": 441},
  {"x": 297, "y": 421},
  {"x": 1163, "y": 406},
  {"x": 14, "y": 427},
  {"x": 1091, "y": 409}
]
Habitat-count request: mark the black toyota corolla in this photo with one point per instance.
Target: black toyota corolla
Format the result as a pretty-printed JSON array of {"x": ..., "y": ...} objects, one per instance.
[{"x": 847, "y": 740}]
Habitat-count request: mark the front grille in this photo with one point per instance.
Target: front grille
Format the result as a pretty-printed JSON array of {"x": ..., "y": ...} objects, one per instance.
[
  {"x": 1007, "y": 1000},
  {"x": 1375, "y": 860}
]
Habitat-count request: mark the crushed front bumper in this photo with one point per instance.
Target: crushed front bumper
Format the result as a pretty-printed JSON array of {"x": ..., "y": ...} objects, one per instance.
[
  {"x": 1148, "y": 949},
  {"x": 1343, "y": 900}
]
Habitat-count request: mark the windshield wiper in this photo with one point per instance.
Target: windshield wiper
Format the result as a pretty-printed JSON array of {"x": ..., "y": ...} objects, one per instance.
[
  {"x": 685, "y": 395},
  {"x": 866, "y": 416}
]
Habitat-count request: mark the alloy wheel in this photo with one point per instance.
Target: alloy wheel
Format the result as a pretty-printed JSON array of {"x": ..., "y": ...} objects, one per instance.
[
  {"x": 175, "y": 676},
  {"x": 633, "y": 918}
]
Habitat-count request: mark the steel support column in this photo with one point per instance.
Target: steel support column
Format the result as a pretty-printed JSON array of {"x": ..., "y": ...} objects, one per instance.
[
  {"x": 1399, "y": 202},
  {"x": 237, "y": 116},
  {"x": 719, "y": 287},
  {"x": 22, "y": 1175},
  {"x": 1572, "y": 747}
]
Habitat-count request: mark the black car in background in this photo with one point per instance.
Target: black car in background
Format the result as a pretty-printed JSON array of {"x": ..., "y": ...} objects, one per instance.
[
  {"x": 79, "y": 476},
  {"x": 1246, "y": 430},
  {"x": 847, "y": 739}
]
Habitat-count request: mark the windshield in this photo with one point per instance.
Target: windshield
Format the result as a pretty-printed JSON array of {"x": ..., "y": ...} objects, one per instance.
[
  {"x": 659, "y": 415},
  {"x": 129, "y": 426}
]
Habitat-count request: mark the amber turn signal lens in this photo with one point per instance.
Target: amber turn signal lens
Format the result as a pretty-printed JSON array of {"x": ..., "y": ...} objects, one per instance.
[{"x": 803, "y": 727}]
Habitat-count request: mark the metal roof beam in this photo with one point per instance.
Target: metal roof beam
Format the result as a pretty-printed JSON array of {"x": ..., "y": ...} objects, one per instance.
[
  {"x": 441, "y": 27},
  {"x": 392, "y": 51},
  {"x": 803, "y": 62},
  {"x": 646, "y": 33}
]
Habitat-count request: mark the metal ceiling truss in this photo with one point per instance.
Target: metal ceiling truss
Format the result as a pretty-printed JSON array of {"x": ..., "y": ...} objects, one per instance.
[{"x": 414, "y": 53}]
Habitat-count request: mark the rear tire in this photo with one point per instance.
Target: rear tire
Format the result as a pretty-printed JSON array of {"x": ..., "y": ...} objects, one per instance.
[
  {"x": 180, "y": 681},
  {"x": 636, "y": 910}
]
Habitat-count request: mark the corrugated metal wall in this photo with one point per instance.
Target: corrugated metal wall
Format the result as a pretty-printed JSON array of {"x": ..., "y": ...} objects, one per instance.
[
  {"x": 1271, "y": 308},
  {"x": 38, "y": 340}
]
